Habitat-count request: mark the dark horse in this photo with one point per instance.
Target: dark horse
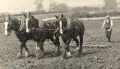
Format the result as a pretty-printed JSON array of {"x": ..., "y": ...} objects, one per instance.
[
  {"x": 74, "y": 28},
  {"x": 39, "y": 35}
]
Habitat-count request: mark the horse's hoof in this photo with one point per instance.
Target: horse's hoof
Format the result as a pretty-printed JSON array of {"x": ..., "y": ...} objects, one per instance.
[
  {"x": 27, "y": 55},
  {"x": 19, "y": 57},
  {"x": 39, "y": 56},
  {"x": 67, "y": 55},
  {"x": 77, "y": 48}
]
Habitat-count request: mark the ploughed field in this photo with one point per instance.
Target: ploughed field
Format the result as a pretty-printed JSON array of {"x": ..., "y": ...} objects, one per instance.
[{"x": 94, "y": 56}]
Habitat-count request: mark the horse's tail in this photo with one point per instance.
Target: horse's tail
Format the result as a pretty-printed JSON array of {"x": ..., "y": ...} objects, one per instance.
[
  {"x": 79, "y": 27},
  {"x": 82, "y": 28},
  {"x": 81, "y": 35}
]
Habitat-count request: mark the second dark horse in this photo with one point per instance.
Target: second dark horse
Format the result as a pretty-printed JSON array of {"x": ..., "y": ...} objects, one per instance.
[{"x": 73, "y": 29}]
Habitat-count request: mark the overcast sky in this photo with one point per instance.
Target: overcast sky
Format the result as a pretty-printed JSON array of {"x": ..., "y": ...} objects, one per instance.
[
  {"x": 16, "y": 5},
  {"x": 25, "y": 5}
]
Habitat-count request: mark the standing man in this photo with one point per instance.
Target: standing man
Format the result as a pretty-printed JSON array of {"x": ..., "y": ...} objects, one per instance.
[{"x": 107, "y": 25}]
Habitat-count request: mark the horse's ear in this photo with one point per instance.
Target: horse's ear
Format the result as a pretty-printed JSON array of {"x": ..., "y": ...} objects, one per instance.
[
  {"x": 56, "y": 17},
  {"x": 62, "y": 15}
]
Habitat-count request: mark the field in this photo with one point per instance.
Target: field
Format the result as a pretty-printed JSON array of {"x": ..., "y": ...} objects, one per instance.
[{"x": 92, "y": 57}]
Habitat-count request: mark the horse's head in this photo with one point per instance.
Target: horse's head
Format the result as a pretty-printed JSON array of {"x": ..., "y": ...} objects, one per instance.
[
  {"x": 10, "y": 24},
  {"x": 61, "y": 19},
  {"x": 28, "y": 18}
]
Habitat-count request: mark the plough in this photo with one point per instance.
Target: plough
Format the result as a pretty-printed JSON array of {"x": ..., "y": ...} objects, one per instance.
[{"x": 95, "y": 46}]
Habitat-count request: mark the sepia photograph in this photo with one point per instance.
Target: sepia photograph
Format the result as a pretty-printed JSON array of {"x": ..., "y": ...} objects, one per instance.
[{"x": 59, "y": 34}]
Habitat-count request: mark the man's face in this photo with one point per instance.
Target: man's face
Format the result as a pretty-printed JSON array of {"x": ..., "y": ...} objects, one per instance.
[{"x": 108, "y": 18}]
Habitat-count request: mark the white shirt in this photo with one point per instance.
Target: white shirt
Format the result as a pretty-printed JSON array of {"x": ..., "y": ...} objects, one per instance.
[{"x": 105, "y": 21}]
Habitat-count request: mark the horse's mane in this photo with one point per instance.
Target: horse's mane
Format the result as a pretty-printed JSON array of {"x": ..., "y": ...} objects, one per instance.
[{"x": 14, "y": 19}]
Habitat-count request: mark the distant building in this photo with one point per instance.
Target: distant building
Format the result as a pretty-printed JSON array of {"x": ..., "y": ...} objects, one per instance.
[{"x": 110, "y": 4}]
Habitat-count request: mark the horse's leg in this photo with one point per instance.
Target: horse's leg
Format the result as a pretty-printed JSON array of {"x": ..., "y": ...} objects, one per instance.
[
  {"x": 67, "y": 52},
  {"x": 39, "y": 49},
  {"x": 19, "y": 55},
  {"x": 77, "y": 42},
  {"x": 81, "y": 43},
  {"x": 57, "y": 43},
  {"x": 26, "y": 50}
]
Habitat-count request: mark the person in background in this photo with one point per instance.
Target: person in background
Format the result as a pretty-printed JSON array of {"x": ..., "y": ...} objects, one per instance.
[{"x": 107, "y": 25}]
